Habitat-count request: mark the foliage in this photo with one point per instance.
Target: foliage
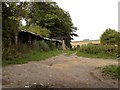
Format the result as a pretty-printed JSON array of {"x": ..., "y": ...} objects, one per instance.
[
  {"x": 119, "y": 45},
  {"x": 52, "y": 17},
  {"x": 44, "y": 46},
  {"x": 12, "y": 14},
  {"x": 112, "y": 70},
  {"x": 69, "y": 52},
  {"x": 110, "y": 37},
  {"x": 41, "y": 46},
  {"x": 39, "y": 30},
  {"x": 45, "y": 19},
  {"x": 31, "y": 56},
  {"x": 12, "y": 55},
  {"x": 12, "y": 52},
  {"x": 51, "y": 45},
  {"x": 78, "y": 46},
  {"x": 99, "y": 51}
]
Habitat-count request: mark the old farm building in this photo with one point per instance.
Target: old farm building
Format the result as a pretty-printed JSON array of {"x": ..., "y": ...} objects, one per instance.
[{"x": 28, "y": 37}]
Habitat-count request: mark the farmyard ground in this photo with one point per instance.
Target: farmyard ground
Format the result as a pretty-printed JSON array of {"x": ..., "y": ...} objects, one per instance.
[{"x": 59, "y": 72}]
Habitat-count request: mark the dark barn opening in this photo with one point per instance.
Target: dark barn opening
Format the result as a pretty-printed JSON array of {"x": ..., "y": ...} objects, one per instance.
[{"x": 30, "y": 38}]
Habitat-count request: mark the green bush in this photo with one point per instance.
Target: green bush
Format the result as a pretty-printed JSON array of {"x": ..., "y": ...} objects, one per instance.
[
  {"x": 13, "y": 51},
  {"x": 31, "y": 56},
  {"x": 51, "y": 45},
  {"x": 8, "y": 53},
  {"x": 98, "y": 50},
  {"x": 41, "y": 46},
  {"x": 112, "y": 70},
  {"x": 95, "y": 49},
  {"x": 23, "y": 48},
  {"x": 110, "y": 36}
]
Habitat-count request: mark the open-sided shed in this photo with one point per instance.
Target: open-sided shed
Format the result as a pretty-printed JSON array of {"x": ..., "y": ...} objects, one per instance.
[{"x": 28, "y": 37}]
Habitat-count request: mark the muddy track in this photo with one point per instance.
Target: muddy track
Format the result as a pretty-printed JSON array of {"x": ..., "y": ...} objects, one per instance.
[{"x": 61, "y": 72}]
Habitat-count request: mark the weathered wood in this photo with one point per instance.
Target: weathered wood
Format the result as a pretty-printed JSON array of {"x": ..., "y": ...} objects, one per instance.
[
  {"x": 30, "y": 39},
  {"x": 16, "y": 39},
  {"x": 63, "y": 45}
]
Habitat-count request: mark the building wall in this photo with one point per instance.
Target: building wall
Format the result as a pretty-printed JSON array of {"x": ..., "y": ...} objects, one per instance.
[{"x": 75, "y": 43}]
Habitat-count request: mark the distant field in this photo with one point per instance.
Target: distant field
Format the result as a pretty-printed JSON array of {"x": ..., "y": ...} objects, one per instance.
[{"x": 75, "y": 43}]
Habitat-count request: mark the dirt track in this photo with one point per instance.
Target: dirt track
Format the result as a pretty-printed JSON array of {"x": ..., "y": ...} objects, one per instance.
[{"x": 61, "y": 72}]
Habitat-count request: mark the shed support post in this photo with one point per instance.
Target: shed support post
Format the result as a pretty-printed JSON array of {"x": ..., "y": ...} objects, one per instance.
[
  {"x": 58, "y": 45},
  {"x": 63, "y": 45},
  {"x": 30, "y": 39},
  {"x": 16, "y": 39}
]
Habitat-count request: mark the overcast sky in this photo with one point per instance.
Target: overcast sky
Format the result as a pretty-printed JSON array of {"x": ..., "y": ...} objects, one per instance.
[{"x": 92, "y": 17}]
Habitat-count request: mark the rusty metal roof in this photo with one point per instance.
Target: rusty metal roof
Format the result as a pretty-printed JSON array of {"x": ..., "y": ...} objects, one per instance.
[{"x": 51, "y": 39}]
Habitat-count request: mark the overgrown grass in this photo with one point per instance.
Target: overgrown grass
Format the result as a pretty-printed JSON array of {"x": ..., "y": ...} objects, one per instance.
[
  {"x": 100, "y": 55},
  {"x": 23, "y": 53},
  {"x": 97, "y": 51},
  {"x": 31, "y": 56},
  {"x": 69, "y": 52},
  {"x": 112, "y": 70}
]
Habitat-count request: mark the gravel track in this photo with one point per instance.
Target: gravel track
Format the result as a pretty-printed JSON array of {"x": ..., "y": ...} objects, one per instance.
[{"x": 59, "y": 72}]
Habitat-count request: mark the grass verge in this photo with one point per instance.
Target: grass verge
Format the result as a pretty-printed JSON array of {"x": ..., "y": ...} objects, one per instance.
[
  {"x": 99, "y": 55},
  {"x": 112, "y": 70},
  {"x": 32, "y": 56},
  {"x": 98, "y": 51},
  {"x": 69, "y": 52}
]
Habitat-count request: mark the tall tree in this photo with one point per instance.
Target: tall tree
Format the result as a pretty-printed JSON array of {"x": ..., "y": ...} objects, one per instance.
[
  {"x": 12, "y": 14},
  {"x": 50, "y": 16},
  {"x": 110, "y": 37}
]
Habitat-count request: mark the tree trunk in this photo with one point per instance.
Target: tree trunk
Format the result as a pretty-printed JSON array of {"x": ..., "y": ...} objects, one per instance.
[
  {"x": 16, "y": 39},
  {"x": 10, "y": 42}
]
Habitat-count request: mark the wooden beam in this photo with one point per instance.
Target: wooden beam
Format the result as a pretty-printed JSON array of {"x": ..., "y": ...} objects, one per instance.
[
  {"x": 30, "y": 39},
  {"x": 63, "y": 45}
]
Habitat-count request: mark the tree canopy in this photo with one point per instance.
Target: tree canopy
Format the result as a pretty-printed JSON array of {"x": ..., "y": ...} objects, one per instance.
[
  {"x": 46, "y": 19},
  {"x": 12, "y": 13},
  {"x": 52, "y": 17},
  {"x": 38, "y": 30},
  {"x": 110, "y": 36}
]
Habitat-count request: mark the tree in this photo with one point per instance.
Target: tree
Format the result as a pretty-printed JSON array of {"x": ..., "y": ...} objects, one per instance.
[
  {"x": 55, "y": 19},
  {"x": 109, "y": 37},
  {"x": 43, "y": 18},
  {"x": 38, "y": 30},
  {"x": 12, "y": 14}
]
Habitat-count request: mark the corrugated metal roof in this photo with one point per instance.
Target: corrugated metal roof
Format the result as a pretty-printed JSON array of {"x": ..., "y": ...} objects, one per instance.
[{"x": 52, "y": 39}]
